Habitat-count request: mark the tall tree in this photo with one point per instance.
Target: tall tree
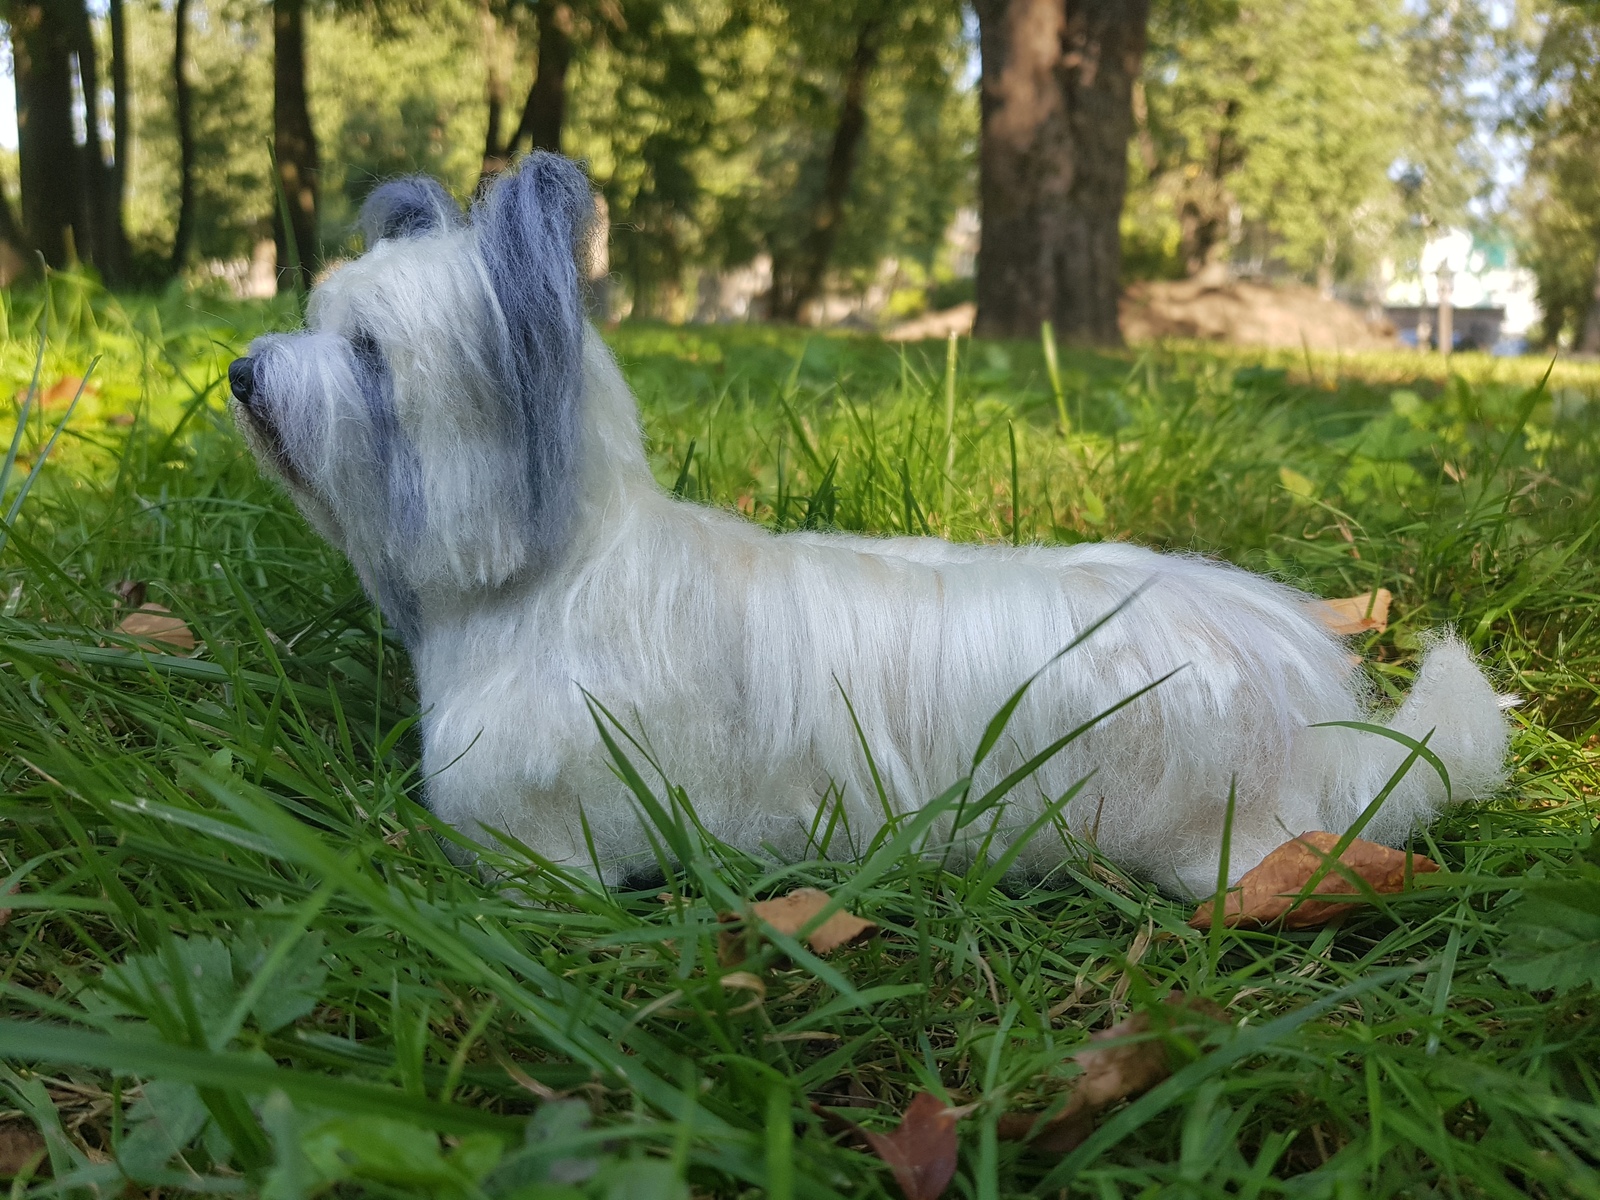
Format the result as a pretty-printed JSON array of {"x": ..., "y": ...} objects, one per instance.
[
  {"x": 52, "y": 212},
  {"x": 544, "y": 113},
  {"x": 14, "y": 256},
  {"x": 496, "y": 90},
  {"x": 797, "y": 276},
  {"x": 1057, "y": 86},
  {"x": 1257, "y": 139},
  {"x": 294, "y": 147},
  {"x": 1558, "y": 204},
  {"x": 182, "y": 105},
  {"x": 121, "y": 142},
  {"x": 101, "y": 203}
]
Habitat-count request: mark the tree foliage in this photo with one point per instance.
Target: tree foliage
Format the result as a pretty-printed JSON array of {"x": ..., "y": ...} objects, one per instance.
[
  {"x": 1306, "y": 133},
  {"x": 1309, "y": 137},
  {"x": 1558, "y": 205},
  {"x": 706, "y": 124}
]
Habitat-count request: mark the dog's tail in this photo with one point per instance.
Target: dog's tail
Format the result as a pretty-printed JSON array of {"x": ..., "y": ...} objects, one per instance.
[{"x": 1462, "y": 718}]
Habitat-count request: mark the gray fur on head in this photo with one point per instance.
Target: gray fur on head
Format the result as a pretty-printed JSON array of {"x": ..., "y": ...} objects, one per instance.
[
  {"x": 427, "y": 419},
  {"x": 530, "y": 227},
  {"x": 408, "y": 207}
]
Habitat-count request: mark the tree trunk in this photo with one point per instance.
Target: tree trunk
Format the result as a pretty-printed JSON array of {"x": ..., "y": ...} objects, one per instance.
[
  {"x": 295, "y": 147},
  {"x": 797, "y": 282},
  {"x": 101, "y": 201},
  {"x": 121, "y": 144},
  {"x": 546, "y": 110},
  {"x": 1589, "y": 335},
  {"x": 1057, "y": 112},
  {"x": 41, "y": 39},
  {"x": 182, "y": 105},
  {"x": 16, "y": 259},
  {"x": 495, "y": 152}
]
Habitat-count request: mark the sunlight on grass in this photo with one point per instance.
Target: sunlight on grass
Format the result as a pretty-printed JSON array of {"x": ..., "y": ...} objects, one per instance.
[{"x": 223, "y": 885}]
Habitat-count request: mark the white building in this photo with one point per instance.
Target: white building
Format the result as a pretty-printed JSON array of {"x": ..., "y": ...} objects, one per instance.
[{"x": 1484, "y": 275}]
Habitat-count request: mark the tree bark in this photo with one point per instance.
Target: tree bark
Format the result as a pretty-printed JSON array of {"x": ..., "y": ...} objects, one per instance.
[
  {"x": 295, "y": 147},
  {"x": 494, "y": 150},
  {"x": 183, "y": 110},
  {"x": 52, "y": 217},
  {"x": 1057, "y": 113},
  {"x": 546, "y": 110},
  {"x": 1589, "y": 335},
  {"x": 121, "y": 144},
  {"x": 16, "y": 258},
  {"x": 101, "y": 203},
  {"x": 799, "y": 281}
]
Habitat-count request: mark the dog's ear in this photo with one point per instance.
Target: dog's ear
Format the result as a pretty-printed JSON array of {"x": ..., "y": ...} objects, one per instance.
[
  {"x": 530, "y": 227},
  {"x": 408, "y": 207}
]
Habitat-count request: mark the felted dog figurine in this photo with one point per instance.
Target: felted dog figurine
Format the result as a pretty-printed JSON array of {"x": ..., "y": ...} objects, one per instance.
[{"x": 449, "y": 420}]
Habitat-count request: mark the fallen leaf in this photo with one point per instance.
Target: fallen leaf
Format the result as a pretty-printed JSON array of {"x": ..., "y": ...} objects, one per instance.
[
  {"x": 1349, "y": 615},
  {"x": 921, "y": 1151},
  {"x": 20, "y": 1147},
  {"x": 1266, "y": 893},
  {"x": 1118, "y": 1064},
  {"x": 789, "y": 915},
  {"x": 155, "y": 623},
  {"x": 62, "y": 391}
]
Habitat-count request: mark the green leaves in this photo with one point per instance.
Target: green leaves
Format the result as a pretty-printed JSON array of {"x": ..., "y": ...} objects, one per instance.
[
  {"x": 1553, "y": 934},
  {"x": 197, "y": 984},
  {"x": 1553, "y": 939}
]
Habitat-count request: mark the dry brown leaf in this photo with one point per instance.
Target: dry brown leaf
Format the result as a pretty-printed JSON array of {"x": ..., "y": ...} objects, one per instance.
[
  {"x": 921, "y": 1151},
  {"x": 1266, "y": 893},
  {"x": 63, "y": 390},
  {"x": 21, "y": 1146},
  {"x": 789, "y": 915},
  {"x": 1116, "y": 1067},
  {"x": 1349, "y": 615},
  {"x": 155, "y": 623}
]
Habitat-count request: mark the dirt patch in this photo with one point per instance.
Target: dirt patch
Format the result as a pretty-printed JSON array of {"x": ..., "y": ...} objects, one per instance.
[
  {"x": 1236, "y": 312},
  {"x": 938, "y": 324},
  {"x": 1248, "y": 314}
]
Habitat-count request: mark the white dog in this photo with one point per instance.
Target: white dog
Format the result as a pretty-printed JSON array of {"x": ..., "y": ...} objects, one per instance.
[{"x": 449, "y": 421}]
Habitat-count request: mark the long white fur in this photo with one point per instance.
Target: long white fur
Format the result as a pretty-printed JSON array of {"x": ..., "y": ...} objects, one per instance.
[{"x": 731, "y": 650}]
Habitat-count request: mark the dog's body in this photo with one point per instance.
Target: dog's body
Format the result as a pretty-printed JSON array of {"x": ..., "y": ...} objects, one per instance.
[{"x": 489, "y": 483}]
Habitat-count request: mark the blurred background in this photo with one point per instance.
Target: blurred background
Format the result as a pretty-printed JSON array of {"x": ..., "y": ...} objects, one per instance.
[{"x": 1335, "y": 173}]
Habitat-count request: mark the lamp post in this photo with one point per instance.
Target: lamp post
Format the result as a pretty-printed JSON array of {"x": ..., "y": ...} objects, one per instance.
[{"x": 1446, "y": 332}]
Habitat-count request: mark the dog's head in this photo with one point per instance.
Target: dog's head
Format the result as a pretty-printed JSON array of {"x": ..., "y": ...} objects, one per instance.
[{"x": 426, "y": 421}]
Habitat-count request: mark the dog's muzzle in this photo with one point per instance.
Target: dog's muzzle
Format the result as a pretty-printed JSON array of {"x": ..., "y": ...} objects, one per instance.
[
  {"x": 242, "y": 383},
  {"x": 242, "y": 379}
]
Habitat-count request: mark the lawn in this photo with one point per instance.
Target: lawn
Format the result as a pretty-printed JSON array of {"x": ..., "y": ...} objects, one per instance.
[{"x": 239, "y": 960}]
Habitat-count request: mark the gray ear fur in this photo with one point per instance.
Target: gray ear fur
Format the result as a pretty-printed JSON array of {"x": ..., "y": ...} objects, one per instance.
[
  {"x": 530, "y": 226},
  {"x": 409, "y": 207}
]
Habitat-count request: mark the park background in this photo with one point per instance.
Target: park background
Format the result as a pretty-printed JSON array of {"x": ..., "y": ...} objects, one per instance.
[
  {"x": 235, "y": 957},
  {"x": 821, "y": 162}
]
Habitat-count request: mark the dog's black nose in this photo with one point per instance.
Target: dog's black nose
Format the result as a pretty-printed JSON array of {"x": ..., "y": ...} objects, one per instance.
[{"x": 242, "y": 378}]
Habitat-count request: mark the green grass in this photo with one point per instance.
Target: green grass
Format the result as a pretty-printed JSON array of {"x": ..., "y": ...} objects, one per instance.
[{"x": 240, "y": 961}]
